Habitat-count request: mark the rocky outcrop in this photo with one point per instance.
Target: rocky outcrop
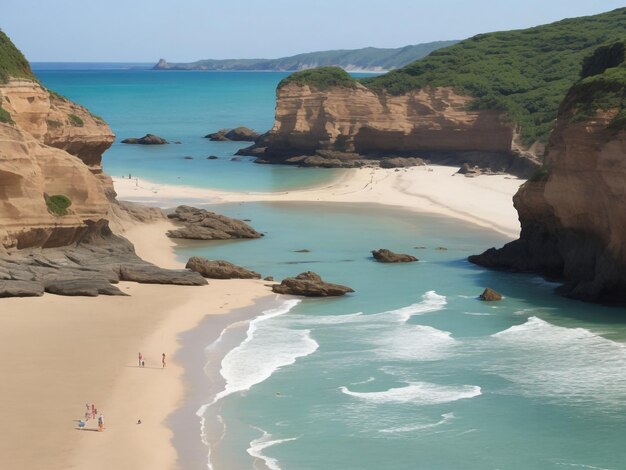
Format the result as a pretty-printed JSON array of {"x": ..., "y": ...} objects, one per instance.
[
  {"x": 490, "y": 295},
  {"x": 200, "y": 224},
  {"x": 148, "y": 139},
  {"x": 434, "y": 124},
  {"x": 219, "y": 269},
  {"x": 309, "y": 284},
  {"x": 387, "y": 256},
  {"x": 88, "y": 269},
  {"x": 53, "y": 147},
  {"x": 572, "y": 212},
  {"x": 239, "y": 134}
]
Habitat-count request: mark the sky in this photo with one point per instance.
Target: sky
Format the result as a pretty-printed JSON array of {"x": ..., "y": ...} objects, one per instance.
[{"x": 188, "y": 30}]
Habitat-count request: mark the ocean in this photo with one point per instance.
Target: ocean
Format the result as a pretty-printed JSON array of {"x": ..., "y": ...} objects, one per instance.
[{"x": 411, "y": 371}]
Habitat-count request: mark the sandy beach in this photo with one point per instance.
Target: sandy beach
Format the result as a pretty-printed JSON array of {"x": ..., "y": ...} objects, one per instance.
[
  {"x": 484, "y": 200},
  {"x": 64, "y": 352}
]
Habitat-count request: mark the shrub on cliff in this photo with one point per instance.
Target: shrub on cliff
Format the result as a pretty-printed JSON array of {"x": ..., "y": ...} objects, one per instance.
[
  {"x": 58, "y": 204},
  {"x": 321, "y": 78},
  {"x": 603, "y": 86},
  {"x": 5, "y": 117},
  {"x": 12, "y": 61}
]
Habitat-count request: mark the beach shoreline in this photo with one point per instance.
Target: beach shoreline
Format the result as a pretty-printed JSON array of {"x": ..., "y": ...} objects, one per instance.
[
  {"x": 85, "y": 351},
  {"x": 485, "y": 200}
]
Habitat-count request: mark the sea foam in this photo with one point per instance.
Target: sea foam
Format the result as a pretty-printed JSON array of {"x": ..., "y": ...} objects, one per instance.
[
  {"x": 569, "y": 365},
  {"x": 258, "y": 445},
  {"x": 431, "y": 302},
  {"x": 267, "y": 348},
  {"x": 445, "y": 418},
  {"x": 420, "y": 393}
]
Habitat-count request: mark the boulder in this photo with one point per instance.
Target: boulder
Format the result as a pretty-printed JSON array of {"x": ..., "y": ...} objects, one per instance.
[
  {"x": 211, "y": 157},
  {"x": 219, "y": 269},
  {"x": 200, "y": 224},
  {"x": 82, "y": 287},
  {"x": 309, "y": 284},
  {"x": 490, "y": 295},
  {"x": 15, "y": 288},
  {"x": 387, "y": 256},
  {"x": 468, "y": 170},
  {"x": 239, "y": 134},
  {"x": 148, "y": 139},
  {"x": 269, "y": 278},
  {"x": 149, "y": 274},
  {"x": 188, "y": 158}
]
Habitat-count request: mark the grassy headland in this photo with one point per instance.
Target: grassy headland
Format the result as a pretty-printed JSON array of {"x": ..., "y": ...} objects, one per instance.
[{"x": 526, "y": 73}]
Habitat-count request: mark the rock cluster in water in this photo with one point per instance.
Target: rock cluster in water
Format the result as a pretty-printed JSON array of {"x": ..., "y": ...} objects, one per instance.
[
  {"x": 148, "y": 139},
  {"x": 490, "y": 295},
  {"x": 200, "y": 224},
  {"x": 310, "y": 284},
  {"x": 387, "y": 256},
  {"x": 239, "y": 134}
]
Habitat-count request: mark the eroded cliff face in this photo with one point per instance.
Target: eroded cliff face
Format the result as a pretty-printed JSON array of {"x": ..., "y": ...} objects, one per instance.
[
  {"x": 53, "y": 147},
  {"x": 434, "y": 123},
  {"x": 573, "y": 214}
]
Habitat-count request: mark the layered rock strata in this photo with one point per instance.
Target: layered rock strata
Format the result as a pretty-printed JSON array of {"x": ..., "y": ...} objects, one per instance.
[
  {"x": 573, "y": 211},
  {"x": 433, "y": 124},
  {"x": 52, "y": 147},
  {"x": 89, "y": 269}
]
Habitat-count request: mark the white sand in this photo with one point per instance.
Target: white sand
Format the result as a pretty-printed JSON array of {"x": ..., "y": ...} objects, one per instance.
[
  {"x": 484, "y": 200},
  {"x": 62, "y": 352}
]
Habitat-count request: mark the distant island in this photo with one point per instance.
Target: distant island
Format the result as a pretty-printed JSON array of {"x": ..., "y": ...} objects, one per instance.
[{"x": 366, "y": 59}]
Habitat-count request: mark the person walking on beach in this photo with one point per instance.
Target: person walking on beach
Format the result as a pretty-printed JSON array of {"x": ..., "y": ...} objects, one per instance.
[
  {"x": 100, "y": 423},
  {"x": 163, "y": 360},
  {"x": 140, "y": 359},
  {"x": 94, "y": 412}
]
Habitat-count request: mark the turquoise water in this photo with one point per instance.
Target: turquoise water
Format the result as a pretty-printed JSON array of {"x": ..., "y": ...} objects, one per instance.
[
  {"x": 409, "y": 372},
  {"x": 183, "y": 106},
  {"x": 412, "y": 371}
]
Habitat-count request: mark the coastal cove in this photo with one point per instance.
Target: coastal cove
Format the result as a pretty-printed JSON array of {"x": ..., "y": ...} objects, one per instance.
[{"x": 411, "y": 370}]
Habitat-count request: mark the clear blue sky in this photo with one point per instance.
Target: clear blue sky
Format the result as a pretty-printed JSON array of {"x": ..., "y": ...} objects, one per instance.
[{"x": 186, "y": 30}]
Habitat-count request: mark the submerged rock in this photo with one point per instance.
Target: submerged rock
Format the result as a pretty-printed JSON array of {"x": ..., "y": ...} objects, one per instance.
[
  {"x": 310, "y": 284},
  {"x": 219, "y": 269},
  {"x": 148, "y": 139},
  {"x": 200, "y": 224},
  {"x": 387, "y": 256},
  {"x": 490, "y": 295}
]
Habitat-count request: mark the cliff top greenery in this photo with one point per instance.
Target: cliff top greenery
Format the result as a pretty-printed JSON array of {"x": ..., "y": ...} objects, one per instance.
[
  {"x": 526, "y": 73},
  {"x": 12, "y": 61},
  {"x": 321, "y": 78},
  {"x": 603, "y": 85}
]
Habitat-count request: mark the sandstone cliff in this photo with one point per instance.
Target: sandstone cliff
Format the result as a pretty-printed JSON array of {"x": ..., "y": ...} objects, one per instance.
[
  {"x": 573, "y": 211},
  {"x": 434, "y": 123},
  {"x": 51, "y": 147}
]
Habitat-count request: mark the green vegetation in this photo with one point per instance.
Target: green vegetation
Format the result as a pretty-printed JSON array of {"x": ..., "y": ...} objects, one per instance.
[
  {"x": 97, "y": 118},
  {"x": 56, "y": 95},
  {"x": 540, "y": 174},
  {"x": 58, "y": 204},
  {"x": 5, "y": 117},
  {"x": 321, "y": 78},
  {"x": 75, "y": 120},
  {"x": 369, "y": 58},
  {"x": 12, "y": 61},
  {"x": 526, "y": 73},
  {"x": 52, "y": 124},
  {"x": 603, "y": 86}
]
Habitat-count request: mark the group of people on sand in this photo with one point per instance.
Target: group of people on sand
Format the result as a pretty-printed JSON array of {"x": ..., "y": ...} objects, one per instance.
[
  {"x": 92, "y": 413},
  {"x": 142, "y": 362}
]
